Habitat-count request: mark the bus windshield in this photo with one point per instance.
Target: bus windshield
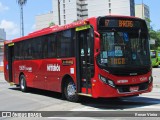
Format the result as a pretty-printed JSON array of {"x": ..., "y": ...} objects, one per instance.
[{"x": 124, "y": 50}]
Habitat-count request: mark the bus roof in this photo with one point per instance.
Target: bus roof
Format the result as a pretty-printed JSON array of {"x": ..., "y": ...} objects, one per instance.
[
  {"x": 121, "y": 17},
  {"x": 51, "y": 29},
  {"x": 57, "y": 28}
]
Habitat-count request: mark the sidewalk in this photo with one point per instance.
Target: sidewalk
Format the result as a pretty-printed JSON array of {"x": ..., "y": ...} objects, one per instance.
[{"x": 2, "y": 76}]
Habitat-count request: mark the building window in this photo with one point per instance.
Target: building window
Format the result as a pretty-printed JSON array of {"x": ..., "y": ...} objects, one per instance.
[
  {"x": 109, "y": 11},
  {"x": 64, "y": 21},
  {"x": 109, "y": 5}
]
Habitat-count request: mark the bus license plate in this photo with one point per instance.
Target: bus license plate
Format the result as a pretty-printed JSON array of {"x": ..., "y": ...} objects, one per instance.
[{"x": 134, "y": 89}]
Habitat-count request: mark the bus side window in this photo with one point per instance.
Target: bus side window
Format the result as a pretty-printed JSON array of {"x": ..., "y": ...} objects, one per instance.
[
  {"x": 30, "y": 49},
  {"x": 52, "y": 46},
  {"x": 6, "y": 52},
  {"x": 45, "y": 47},
  {"x": 37, "y": 45}
]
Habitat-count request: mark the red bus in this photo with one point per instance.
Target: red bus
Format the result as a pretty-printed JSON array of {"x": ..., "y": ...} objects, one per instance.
[{"x": 104, "y": 57}]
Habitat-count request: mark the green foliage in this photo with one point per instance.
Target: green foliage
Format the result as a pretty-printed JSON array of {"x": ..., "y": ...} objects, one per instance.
[
  {"x": 148, "y": 21},
  {"x": 51, "y": 24},
  {"x": 155, "y": 35},
  {"x": 75, "y": 20}
]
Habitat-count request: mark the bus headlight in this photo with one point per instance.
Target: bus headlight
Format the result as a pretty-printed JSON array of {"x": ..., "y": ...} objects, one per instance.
[
  {"x": 107, "y": 81},
  {"x": 103, "y": 79},
  {"x": 111, "y": 83},
  {"x": 150, "y": 79}
]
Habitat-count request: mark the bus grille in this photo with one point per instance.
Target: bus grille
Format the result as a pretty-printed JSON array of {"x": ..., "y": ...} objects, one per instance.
[
  {"x": 126, "y": 88},
  {"x": 126, "y": 72}
]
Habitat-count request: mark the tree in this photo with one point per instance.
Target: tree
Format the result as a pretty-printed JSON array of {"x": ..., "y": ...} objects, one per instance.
[
  {"x": 158, "y": 39},
  {"x": 21, "y": 3},
  {"x": 75, "y": 20},
  {"x": 148, "y": 21},
  {"x": 51, "y": 24},
  {"x": 156, "y": 36}
]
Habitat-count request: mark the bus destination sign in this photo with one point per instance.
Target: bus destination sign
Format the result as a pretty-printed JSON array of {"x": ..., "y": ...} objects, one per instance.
[
  {"x": 121, "y": 23},
  {"x": 125, "y": 23}
]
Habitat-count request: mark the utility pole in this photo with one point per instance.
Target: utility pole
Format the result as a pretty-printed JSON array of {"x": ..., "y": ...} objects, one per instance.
[
  {"x": 59, "y": 17},
  {"x": 142, "y": 10}
]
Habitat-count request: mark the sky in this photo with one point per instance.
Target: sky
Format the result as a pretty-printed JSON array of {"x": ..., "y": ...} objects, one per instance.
[{"x": 10, "y": 15}]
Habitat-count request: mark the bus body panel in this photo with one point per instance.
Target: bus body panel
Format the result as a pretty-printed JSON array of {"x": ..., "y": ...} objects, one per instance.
[
  {"x": 44, "y": 74},
  {"x": 6, "y": 74},
  {"x": 100, "y": 89}
]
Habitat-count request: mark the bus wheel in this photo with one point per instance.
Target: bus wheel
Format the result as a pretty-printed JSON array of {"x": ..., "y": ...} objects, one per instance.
[
  {"x": 23, "y": 85},
  {"x": 70, "y": 91}
]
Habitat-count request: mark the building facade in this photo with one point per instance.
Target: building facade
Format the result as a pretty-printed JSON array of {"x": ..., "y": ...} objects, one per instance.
[
  {"x": 68, "y": 11},
  {"x": 142, "y": 11},
  {"x": 2, "y": 34},
  {"x": 44, "y": 20},
  {"x": 72, "y": 10},
  {"x": 2, "y": 39},
  {"x": 110, "y": 7}
]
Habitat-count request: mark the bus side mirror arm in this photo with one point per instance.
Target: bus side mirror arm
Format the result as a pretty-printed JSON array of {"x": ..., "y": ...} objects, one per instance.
[
  {"x": 96, "y": 34},
  {"x": 97, "y": 42}
]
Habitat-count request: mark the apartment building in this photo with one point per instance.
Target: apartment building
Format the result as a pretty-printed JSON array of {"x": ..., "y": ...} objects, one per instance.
[
  {"x": 44, "y": 20},
  {"x": 73, "y": 10},
  {"x": 142, "y": 11}
]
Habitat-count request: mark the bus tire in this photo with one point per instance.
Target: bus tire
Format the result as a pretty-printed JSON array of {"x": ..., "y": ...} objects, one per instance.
[
  {"x": 23, "y": 85},
  {"x": 70, "y": 91}
]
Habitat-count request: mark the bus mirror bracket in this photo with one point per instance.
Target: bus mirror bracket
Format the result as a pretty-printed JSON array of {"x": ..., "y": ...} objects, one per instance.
[
  {"x": 97, "y": 35},
  {"x": 97, "y": 41}
]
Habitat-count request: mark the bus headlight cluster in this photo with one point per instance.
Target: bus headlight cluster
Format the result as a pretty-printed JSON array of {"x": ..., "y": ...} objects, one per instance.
[
  {"x": 150, "y": 79},
  {"x": 107, "y": 81}
]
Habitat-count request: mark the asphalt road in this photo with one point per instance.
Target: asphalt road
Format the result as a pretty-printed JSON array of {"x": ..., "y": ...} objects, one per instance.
[{"x": 12, "y": 99}]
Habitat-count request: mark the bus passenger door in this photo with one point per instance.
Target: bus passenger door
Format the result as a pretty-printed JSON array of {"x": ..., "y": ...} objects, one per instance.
[
  {"x": 85, "y": 64},
  {"x": 10, "y": 61}
]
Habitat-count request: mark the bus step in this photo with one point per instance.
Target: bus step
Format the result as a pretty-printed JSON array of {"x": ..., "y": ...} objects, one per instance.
[
  {"x": 83, "y": 94},
  {"x": 12, "y": 83}
]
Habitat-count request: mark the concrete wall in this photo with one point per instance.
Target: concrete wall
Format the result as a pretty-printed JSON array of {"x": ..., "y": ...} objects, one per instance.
[{"x": 43, "y": 21}]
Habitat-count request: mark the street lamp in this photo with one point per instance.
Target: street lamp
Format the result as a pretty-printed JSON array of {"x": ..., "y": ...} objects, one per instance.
[{"x": 21, "y": 4}]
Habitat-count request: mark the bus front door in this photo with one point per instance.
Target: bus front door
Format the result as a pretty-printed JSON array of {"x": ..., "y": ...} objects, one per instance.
[{"x": 84, "y": 61}]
